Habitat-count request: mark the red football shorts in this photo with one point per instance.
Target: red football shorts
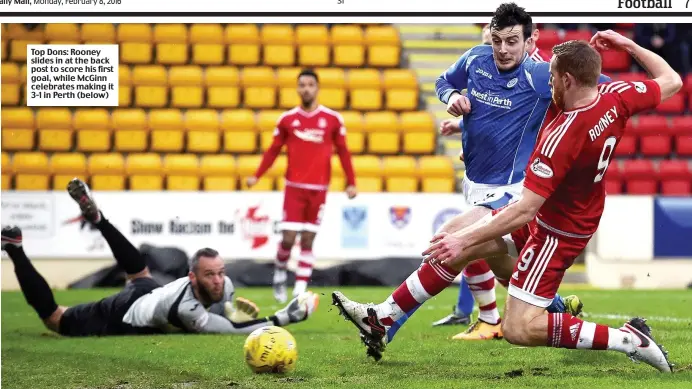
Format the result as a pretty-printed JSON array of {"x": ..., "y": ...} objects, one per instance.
[
  {"x": 303, "y": 209},
  {"x": 544, "y": 255}
]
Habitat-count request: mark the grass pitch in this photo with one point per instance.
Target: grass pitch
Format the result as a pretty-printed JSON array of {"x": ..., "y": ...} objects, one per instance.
[{"x": 330, "y": 353}]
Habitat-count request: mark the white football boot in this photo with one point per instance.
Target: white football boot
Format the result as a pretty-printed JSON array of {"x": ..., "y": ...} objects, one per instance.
[
  {"x": 363, "y": 316},
  {"x": 645, "y": 348}
]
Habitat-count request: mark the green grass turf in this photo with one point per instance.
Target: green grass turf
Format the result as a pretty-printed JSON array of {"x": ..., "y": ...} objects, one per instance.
[{"x": 331, "y": 355}]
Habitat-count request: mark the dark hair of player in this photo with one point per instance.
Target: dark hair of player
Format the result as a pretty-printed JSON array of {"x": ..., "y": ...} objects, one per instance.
[
  {"x": 510, "y": 14},
  {"x": 310, "y": 73},
  {"x": 580, "y": 60},
  {"x": 204, "y": 252}
]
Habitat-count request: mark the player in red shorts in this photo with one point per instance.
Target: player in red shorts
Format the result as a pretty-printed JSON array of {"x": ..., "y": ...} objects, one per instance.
[
  {"x": 310, "y": 132},
  {"x": 552, "y": 223}
]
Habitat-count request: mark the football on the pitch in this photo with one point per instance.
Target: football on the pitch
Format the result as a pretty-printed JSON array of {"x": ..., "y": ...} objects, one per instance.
[{"x": 270, "y": 350}]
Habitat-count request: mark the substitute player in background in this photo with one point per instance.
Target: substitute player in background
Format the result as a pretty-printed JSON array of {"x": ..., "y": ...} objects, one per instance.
[
  {"x": 310, "y": 132},
  {"x": 561, "y": 207},
  {"x": 202, "y": 302}
]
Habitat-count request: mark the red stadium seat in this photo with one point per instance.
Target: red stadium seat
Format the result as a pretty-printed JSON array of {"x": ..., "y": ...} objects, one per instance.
[
  {"x": 631, "y": 76},
  {"x": 642, "y": 187},
  {"x": 650, "y": 125},
  {"x": 616, "y": 61},
  {"x": 674, "y": 105},
  {"x": 613, "y": 186},
  {"x": 639, "y": 177},
  {"x": 676, "y": 187},
  {"x": 681, "y": 125},
  {"x": 627, "y": 146},
  {"x": 683, "y": 145},
  {"x": 655, "y": 145},
  {"x": 547, "y": 40},
  {"x": 613, "y": 178},
  {"x": 674, "y": 170},
  {"x": 582, "y": 35}
]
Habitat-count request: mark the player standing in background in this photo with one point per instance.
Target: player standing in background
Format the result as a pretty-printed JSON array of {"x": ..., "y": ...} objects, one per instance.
[
  {"x": 310, "y": 132},
  {"x": 560, "y": 209},
  {"x": 479, "y": 273}
]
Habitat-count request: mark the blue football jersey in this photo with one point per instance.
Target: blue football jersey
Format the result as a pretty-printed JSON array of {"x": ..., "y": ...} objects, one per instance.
[{"x": 507, "y": 111}]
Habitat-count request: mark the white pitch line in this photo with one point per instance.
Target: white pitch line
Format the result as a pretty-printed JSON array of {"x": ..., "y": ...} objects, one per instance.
[{"x": 627, "y": 317}]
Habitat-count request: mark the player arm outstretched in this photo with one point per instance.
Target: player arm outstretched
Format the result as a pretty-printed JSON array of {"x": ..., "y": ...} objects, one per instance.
[
  {"x": 345, "y": 159},
  {"x": 270, "y": 155},
  {"x": 665, "y": 76}
]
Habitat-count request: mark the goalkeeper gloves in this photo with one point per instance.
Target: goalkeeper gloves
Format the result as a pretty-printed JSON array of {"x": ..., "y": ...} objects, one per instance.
[{"x": 241, "y": 310}]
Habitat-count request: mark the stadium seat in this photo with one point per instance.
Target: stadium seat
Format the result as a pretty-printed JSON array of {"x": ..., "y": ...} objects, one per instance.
[
  {"x": 185, "y": 76},
  {"x": 676, "y": 188},
  {"x": 401, "y": 184},
  {"x": 384, "y": 56},
  {"x": 349, "y": 55},
  {"x": 380, "y": 142},
  {"x": 615, "y": 61},
  {"x": 674, "y": 105},
  {"x": 417, "y": 121},
  {"x": 366, "y": 99},
  {"x": 331, "y": 77},
  {"x": 437, "y": 185},
  {"x": 93, "y": 140},
  {"x": 242, "y": 33},
  {"x": 206, "y": 33},
  {"x": 258, "y": 76},
  {"x": 627, "y": 146},
  {"x": 144, "y": 171},
  {"x": 367, "y": 166},
  {"x": 399, "y": 166},
  {"x": 244, "y": 54},
  {"x": 242, "y": 120},
  {"x": 240, "y": 141},
  {"x": 91, "y": 118},
  {"x": 187, "y": 97},
  {"x": 6, "y": 172},
  {"x": 435, "y": 166},
  {"x": 62, "y": 32},
  {"x": 182, "y": 172},
  {"x": 15, "y": 139},
  {"x": 683, "y": 145},
  {"x": 124, "y": 96},
  {"x": 135, "y": 32},
  {"x": 401, "y": 99},
  {"x": 381, "y": 121},
  {"x": 261, "y": 97},
  {"x": 65, "y": 167},
  {"x": 278, "y": 168},
  {"x": 20, "y": 31},
  {"x": 10, "y": 73},
  {"x": 136, "y": 52},
  {"x": 354, "y": 121},
  {"x": 170, "y": 33},
  {"x": 166, "y": 130},
  {"x": 149, "y": 75},
  {"x": 267, "y": 120},
  {"x": 649, "y": 125},
  {"x": 355, "y": 141},
  {"x": 334, "y": 98},
  {"x": 218, "y": 172},
  {"x": 102, "y": 33},
  {"x": 369, "y": 184},
  {"x": 53, "y": 118},
  {"x": 207, "y": 53},
  {"x": 674, "y": 170},
  {"x": 282, "y": 34},
  {"x": 151, "y": 96},
  {"x": 10, "y": 94},
  {"x": 53, "y": 139},
  {"x": 655, "y": 145},
  {"x": 681, "y": 125},
  {"x": 266, "y": 139},
  {"x": 613, "y": 186},
  {"x": 639, "y": 177},
  {"x": 106, "y": 171},
  {"x": 124, "y": 75},
  {"x": 21, "y": 117},
  {"x": 364, "y": 78},
  {"x": 287, "y": 77},
  {"x": 3, "y": 56},
  {"x": 346, "y": 34},
  {"x": 171, "y": 53},
  {"x": 18, "y": 49},
  {"x": 314, "y": 55},
  {"x": 31, "y": 170},
  {"x": 278, "y": 55},
  {"x": 131, "y": 130},
  {"x": 203, "y": 131},
  {"x": 419, "y": 142},
  {"x": 308, "y": 34},
  {"x": 222, "y": 86},
  {"x": 336, "y": 184},
  {"x": 246, "y": 167},
  {"x": 399, "y": 79},
  {"x": 288, "y": 98},
  {"x": 93, "y": 130},
  {"x": 381, "y": 34},
  {"x": 22, "y": 74}
]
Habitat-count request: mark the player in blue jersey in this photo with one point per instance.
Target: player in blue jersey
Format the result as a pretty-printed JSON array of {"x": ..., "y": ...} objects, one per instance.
[{"x": 507, "y": 98}]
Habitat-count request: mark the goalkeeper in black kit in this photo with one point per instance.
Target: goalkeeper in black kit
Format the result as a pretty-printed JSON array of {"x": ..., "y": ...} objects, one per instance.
[{"x": 202, "y": 302}]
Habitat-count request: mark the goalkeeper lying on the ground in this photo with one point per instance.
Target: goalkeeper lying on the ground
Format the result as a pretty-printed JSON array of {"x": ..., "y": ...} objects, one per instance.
[{"x": 200, "y": 303}]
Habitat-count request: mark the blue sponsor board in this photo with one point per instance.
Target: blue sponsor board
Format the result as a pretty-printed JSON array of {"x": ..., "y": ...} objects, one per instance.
[
  {"x": 673, "y": 227},
  {"x": 354, "y": 227}
]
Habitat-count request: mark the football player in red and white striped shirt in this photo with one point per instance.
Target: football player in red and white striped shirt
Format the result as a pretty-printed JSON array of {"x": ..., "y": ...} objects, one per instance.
[
  {"x": 310, "y": 132},
  {"x": 534, "y": 52},
  {"x": 560, "y": 209}
]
